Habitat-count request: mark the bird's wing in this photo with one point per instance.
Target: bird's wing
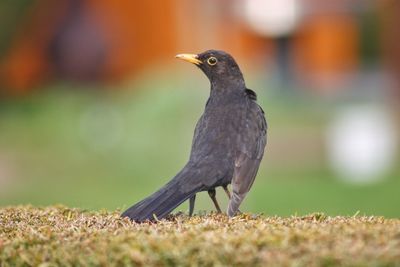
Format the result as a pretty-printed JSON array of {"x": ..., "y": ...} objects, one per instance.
[{"x": 251, "y": 143}]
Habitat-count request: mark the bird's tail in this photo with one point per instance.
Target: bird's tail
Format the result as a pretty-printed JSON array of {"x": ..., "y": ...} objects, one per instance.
[{"x": 162, "y": 202}]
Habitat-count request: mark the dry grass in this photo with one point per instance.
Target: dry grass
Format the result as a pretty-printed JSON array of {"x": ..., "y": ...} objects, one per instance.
[{"x": 58, "y": 235}]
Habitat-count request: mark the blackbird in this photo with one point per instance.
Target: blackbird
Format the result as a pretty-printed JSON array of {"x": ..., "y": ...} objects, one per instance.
[{"x": 228, "y": 143}]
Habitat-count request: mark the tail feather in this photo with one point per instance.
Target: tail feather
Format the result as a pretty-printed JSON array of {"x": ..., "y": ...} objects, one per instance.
[{"x": 161, "y": 203}]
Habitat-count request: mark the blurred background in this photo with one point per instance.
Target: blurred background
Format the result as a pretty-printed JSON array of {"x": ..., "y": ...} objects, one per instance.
[{"x": 95, "y": 112}]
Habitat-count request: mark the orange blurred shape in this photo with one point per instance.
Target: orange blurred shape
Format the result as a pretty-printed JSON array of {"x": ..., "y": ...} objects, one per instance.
[
  {"x": 25, "y": 64},
  {"x": 134, "y": 35},
  {"x": 326, "y": 46},
  {"x": 23, "y": 68},
  {"x": 139, "y": 33}
]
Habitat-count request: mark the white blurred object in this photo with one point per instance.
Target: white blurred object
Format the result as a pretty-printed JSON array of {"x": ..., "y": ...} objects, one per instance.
[
  {"x": 273, "y": 18},
  {"x": 362, "y": 143}
]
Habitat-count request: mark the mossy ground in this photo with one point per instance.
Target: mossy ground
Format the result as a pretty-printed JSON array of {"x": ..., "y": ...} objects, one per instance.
[{"x": 58, "y": 235}]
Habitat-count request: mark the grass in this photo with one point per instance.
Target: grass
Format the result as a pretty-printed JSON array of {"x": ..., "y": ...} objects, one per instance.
[{"x": 62, "y": 236}]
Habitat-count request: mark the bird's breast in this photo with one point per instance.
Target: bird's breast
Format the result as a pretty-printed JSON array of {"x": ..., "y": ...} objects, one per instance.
[{"x": 218, "y": 130}]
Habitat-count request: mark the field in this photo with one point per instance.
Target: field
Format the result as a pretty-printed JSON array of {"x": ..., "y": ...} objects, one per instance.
[
  {"x": 103, "y": 150},
  {"x": 58, "y": 235}
]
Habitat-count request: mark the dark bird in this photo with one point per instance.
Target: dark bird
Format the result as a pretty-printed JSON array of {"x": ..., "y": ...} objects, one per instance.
[{"x": 228, "y": 143}]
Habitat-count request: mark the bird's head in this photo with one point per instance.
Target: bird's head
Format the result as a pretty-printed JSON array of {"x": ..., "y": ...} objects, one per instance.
[{"x": 218, "y": 66}]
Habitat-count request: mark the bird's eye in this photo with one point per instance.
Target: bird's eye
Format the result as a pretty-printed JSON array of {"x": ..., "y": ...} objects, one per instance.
[{"x": 212, "y": 61}]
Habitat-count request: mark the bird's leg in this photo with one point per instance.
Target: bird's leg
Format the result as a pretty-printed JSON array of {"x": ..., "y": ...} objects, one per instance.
[
  {"x": 227, "y": 191},
  {"x": 212, "y": 194},
  {"x": 191, "y": 204}
]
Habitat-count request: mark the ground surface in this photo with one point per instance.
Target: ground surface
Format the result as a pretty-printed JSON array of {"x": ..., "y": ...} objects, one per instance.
[{"x": 59, "y": 235}]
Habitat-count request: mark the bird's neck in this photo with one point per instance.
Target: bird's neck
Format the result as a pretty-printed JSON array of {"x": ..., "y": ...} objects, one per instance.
[
  {"x": 227, "y": 87},
  {"x": 225, "y": 93}
]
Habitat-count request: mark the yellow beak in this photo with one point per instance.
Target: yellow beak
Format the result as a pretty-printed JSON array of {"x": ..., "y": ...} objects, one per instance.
[{"x": 192, "y": 58}]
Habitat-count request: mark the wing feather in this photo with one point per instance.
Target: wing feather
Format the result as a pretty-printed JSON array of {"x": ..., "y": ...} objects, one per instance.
[{"x": 251, "y": 142}]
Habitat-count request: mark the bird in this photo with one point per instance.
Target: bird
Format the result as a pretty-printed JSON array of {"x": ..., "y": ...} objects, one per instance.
[{"x": 227, "y": 148}]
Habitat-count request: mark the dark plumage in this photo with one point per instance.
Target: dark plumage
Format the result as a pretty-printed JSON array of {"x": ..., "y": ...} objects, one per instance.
[{"x": 227, "y": 148}]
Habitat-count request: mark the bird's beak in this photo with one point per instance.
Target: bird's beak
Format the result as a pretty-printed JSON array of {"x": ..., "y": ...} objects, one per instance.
[{"x": 192, "y": 58}]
